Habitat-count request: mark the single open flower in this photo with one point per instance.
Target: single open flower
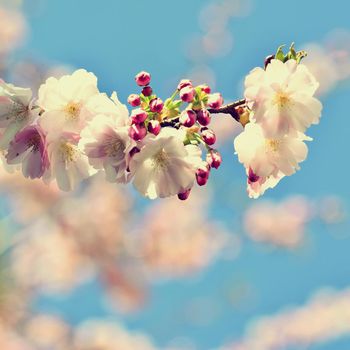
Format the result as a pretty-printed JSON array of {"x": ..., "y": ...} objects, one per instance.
[
  {"x": 65, "y": 101},
  {"x": 29, "y": 149},
  {"x": 68, "y": 163},
  {"x": 70, "y": 102},
  {"x": 107, "y": 146},
  {"x": 15, "y": 111},
  {"x": 266, "y": 157},
  {"x": 281, "y": 98},
  {"x": 165, "y": 166}
]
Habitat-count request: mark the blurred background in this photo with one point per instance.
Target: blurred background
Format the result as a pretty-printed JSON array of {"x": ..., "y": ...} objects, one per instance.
[{"x": 102, "y": 268}]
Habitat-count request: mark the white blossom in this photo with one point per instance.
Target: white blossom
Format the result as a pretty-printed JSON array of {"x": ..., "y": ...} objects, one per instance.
[
  {"x": 68, "y": 164},
  {"x": 107, "y": 145},
  {"x": 73, "y": 100},
  {"x": 267, "y": 156},
  {"x": 15, "y": 111},
  {"x": 165, "y": 166},
  {"x": 281, "y": 98}
]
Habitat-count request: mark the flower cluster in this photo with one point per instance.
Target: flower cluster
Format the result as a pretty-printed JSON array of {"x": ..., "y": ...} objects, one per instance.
[
  {"x": 73, "y": 131},
  {"x": 280, "y": 104},
  {"x": 168, "y": 157}
]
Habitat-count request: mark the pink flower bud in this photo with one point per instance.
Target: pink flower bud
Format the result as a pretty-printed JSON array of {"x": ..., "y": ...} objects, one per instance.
[
  {"x": 138, "y": 116},
  {"x": 201, "y": 181},
  {"x": 183, "y": 83},
  {"x": 143, "y": 78},
  {"x": 203, "y": 117},
  {"x": 205, "y": 88},
  {"x": 137, "y": 131},
  {"x": 187, "y": 94},
  {"x": 147, "y": 91},
  {"x": 184, "y": 195},
  {"x": 215, "y": 101},
  {"x": 203, "y": 170},
  {"x": 154, "y": 127},
  {"x": 214, "y": 159},
  {"x": 133, "y": 151},
  {"x": 252, "y": 177},
  {"x": 188, "y": 118},
  {"x": 156, "y": 105},
  {"x": 208, "y": 136},
  {"x": 202, "y": 174},
  {"x": 134, "y": 100}
]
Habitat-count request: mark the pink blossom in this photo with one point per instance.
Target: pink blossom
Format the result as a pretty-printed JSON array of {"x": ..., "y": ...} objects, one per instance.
[
  {"x": 281, "y": 224},
  {"x": 107, "y": 146},
  {"x": 29, "y": 149},
  {"x": 143, "y": 78},
  {"x": 281, "y": 98}
]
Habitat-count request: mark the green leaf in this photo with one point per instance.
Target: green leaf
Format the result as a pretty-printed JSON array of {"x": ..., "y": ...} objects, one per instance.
[
  {"x": 279, "y": 53},
  {"x": 198, "y": 90},
  {"x": 292, "y": 51},
  {"x": 144, "y": 98},
  {"x": 167, "y": 102},
  {"x": 176, "y": 104}
]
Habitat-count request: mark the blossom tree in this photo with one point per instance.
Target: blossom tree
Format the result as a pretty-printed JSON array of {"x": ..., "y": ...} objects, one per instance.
[{"x": 73, "y": 131}]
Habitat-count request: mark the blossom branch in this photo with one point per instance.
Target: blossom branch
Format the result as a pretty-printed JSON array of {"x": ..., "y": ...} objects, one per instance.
[
  {"x": 173, "y": 123},
  {"x": 230, "y": 108},
  {"x": 163, "y": 147}
]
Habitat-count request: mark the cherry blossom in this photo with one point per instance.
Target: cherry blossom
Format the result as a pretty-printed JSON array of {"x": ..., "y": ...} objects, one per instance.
[
  {"x": 300, "y": 326},
  {"x": 65, "y": 101},
  {"x": 265, "y": 156},
  {"x": 15, "y": 111},
  {"x": 281, "y": 98},
  {"x": 107, "y": 147},
  {"x": 12, "y": 31},
  {"x": 72, "y": 131},
  {"x": 166, "y": 245},
  {"x": 68, "y": 164},
  {"x": 281, "y": 224},
  {"x": 29, "y": 149},
  {"x": 35, "y": 265},
  {"x": 165, "y": 166},
  {"x": 105, "y": 335}
]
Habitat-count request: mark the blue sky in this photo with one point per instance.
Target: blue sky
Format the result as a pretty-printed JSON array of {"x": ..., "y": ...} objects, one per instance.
[{"x": 115, "y": 40}]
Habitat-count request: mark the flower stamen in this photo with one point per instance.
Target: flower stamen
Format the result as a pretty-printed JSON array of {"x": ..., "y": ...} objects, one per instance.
[
  {"x": 281, "y": 99},
  {"x": 160, "y": 159},
  {"x": 113, "y": 146},
  {"x": 68, "y": 152},
  {"x": 72, "y": 110},
  {"x": 272, "y": 145}
]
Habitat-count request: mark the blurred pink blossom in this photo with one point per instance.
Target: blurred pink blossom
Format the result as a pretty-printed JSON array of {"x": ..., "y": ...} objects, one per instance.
[
  {"x": 324, "y": 317},
  {"x": 106, "y": 335},
  {"x": 177, "y": 237},
  {"x": 281, "y": 224},
  {"x": 330, "y": 60},
  {"x": 12, "y": 30}
]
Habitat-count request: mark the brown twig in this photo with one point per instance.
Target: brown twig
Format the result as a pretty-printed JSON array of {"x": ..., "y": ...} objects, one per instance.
[{"x": 229, "y": 109}]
